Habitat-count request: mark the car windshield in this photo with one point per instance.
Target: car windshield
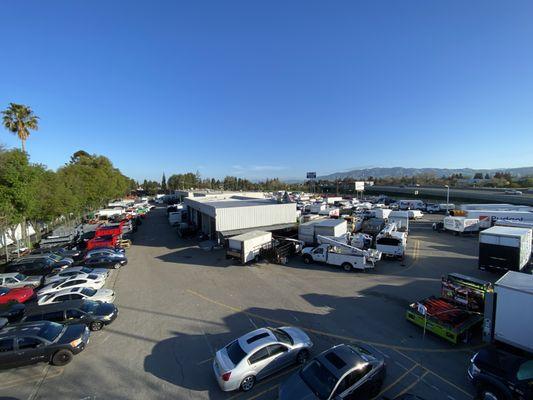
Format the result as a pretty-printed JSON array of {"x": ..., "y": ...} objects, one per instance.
[
  {"x": 88, "y": 291},
  {"x": 319, "y": 379},
  {"x": 86, "y": 270},
  {"x": 20, "y": 277},
  {"x": 89, "y": 306},
  {"x": 54, "y": 257},
  {"x": 282, "y": 336},
  {"x": 54, "y": 285},
  {"x": 50, "y": 331},
  {"x": 235, "y": 352}
]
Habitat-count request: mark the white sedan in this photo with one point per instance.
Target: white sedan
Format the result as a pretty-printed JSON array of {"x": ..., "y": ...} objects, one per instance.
[
  {"x": 78, "y": 272},
  {"x": 103, "y": 295},
  {"x": 90, "y": 281}
]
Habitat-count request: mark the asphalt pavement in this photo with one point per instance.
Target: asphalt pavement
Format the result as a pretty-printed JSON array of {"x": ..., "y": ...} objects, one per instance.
[{"x": 179, "y": 304}]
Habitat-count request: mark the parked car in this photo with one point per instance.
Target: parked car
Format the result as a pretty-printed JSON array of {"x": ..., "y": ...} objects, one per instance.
[
  {"x": 104, "y": 295},
  {"x": 17, "y": 280},
  {"x": 94, "y": 314},
  {"x": 75, "y": 271},
  {"x": 498, "y": 374},
  {"x": 103, "y": 251},
  {"x": 12, "y": 311},
  {"x": 62, "y": 261},
  {"x": 29, "y": 343},
  {"x": 17, "y": 295},
  {"x": 341, "y": 372},
  {"x": 59, "y": 251},
  {"x": 34, "y": 266},
  {"x": 90, "y": 281},
  {"x": 259, "y": 354},
  {"x": 513, "y": 192},
  {"x": 106, "y": 261}
]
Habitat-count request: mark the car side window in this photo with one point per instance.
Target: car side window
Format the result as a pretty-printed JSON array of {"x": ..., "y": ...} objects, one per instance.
[
  {"x": 71, "y": 283},
  {"x": 276, "y": 349},
  {"x": 63, "y": 297},
  {"x": 56, "y": 316},
  {"x": 6, "y": 345},
  {"x": 320, "y": 250},
  {"x": 33, "y": 318},
  {"x": 351, "y": 379},
  {"x": 76, "y": 296},
  {"x": 259, "y": 355},
  {"x": 11, "y": 280},
  {"x": 525, "y": 372},
  {"x": 74, "y": 314},
  {"x": 28, "y": 343}
]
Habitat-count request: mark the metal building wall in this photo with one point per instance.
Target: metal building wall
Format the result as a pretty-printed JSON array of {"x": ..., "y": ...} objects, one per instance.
[{"x": 232, "y": 218}]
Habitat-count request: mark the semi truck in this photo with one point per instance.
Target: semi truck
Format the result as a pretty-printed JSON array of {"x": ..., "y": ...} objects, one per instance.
[
  {"x": 504, "y": 248},
  {"x": 488, "y": 218},
  {"x": 508, "y": 317}
]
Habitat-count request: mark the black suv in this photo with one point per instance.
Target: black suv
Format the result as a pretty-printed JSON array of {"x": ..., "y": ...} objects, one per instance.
[
  {"x": 29, "y": 343},
  {"x": 499, "y": 374},
  {"x": 93, "y": 314}
]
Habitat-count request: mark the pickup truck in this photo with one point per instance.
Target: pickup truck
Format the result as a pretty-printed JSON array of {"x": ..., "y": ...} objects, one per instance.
[{"x": 335, "y": 255}]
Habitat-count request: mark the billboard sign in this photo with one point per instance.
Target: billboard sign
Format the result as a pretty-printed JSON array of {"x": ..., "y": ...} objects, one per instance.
[
  {"x": 359, "y": 186},
  {"x": 311, "y": 175}
]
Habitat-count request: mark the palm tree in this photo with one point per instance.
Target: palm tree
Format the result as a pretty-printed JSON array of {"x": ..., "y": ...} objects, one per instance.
[{"x": 19, "y": 119}]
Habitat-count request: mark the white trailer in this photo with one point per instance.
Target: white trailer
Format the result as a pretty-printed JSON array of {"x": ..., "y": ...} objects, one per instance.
[
  {"x": 316, "y": 208},
  {"x": 308, "y": 231},
  {"x": 415, "y": 214},
  {"x": 109, "y": 212},
  {"x": 513, "y": 318},
  {"x": 487, "y": 218},
  {"x": 246, "y": 247},
  {"x": 333, "y": 200},
  {"x": 504, "y": 248},
  {"x": 411, "y": 205},
  {"x": 380, "y": 212},
  {"x": 461, "y": 224}
]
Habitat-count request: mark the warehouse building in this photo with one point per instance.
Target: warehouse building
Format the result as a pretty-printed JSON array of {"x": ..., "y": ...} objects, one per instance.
[{"x": 228, "y": 214}]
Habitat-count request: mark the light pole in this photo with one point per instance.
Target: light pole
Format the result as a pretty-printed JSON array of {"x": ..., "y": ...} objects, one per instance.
[{"x": 447, "y": 199}]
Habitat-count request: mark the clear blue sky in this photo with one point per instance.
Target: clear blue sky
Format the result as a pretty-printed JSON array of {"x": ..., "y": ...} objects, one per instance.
[{"x": 273, "y": 88}]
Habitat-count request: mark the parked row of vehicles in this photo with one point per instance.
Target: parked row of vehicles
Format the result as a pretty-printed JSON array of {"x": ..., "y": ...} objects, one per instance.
[{"x": 52, "y": 299}]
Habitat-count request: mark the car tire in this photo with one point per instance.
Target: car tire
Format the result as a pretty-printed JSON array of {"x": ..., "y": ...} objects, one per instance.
[
  {"x": 61, "y": 357},
  {"x": 116, "y": 266},
  {"x": 96, "y": 325},
  {"x": 302, "y": 357},
  {"x": 490, "y": 393},
  {"x": 248, "y": 383},
  {"x": 347, "y": 267},
  {"x": 308, "y": 259}
]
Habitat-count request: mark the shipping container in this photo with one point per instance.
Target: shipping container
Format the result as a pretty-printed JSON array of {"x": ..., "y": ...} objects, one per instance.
[{"x": 246, "y": 247}]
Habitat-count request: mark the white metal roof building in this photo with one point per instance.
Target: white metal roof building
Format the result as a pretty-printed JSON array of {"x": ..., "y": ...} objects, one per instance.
[{"x": 233, "y": 214}]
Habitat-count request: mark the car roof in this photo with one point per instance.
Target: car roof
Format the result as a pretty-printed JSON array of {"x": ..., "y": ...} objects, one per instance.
[
  {"x": 31, "y": 328},
  {"x": 341, "y": 359},
  {"x": 255, "y": 339},
  {"x": 64, "y": 305},
  {"x": 10, "y": 274}
]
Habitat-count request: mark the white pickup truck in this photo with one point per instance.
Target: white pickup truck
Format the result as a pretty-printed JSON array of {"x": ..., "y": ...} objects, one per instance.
[{"x": 335, "y": 255}]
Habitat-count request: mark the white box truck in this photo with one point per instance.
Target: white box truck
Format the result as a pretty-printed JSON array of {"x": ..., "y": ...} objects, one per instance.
[
  {"x": 504, "y": 248},
  {"x": 308, "y": 231},
  {"x": 246, "y": 247},
  {"x": 509, "y": 319}
]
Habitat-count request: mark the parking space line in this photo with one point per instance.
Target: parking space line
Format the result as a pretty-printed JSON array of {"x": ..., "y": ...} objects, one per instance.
[
  {"x": 205, "y": 361},
  {"x": 252, "y": 322},
  {"x": 437, "y": 375},
  {"x": 412, "y": 385},
  {"x": 263, "y": 383},
  {"x": 333, "y": 335},
  {"x": 263, "y": 392},
  {"x": 28, "y": 379},
  {"x": 390, "y": 386}
]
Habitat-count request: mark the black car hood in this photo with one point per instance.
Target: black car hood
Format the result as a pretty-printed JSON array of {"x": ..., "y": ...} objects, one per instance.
[
  {"x": 71, "y": 333},
  {"x": 105, "y": 309},
  {"x": 498, "y": 362},
  {"x": 295, "y": 388}
]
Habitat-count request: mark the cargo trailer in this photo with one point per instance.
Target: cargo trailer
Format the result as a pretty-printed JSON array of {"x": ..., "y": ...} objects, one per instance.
[
  {"x": 488, "y": 218},
  {"x": 459, "y": 225},
  {"x": 247, "y": 247},
  {"x": 504, "y": 248}
]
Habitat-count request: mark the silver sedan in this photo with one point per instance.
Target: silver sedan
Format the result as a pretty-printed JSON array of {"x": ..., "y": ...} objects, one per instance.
[{"x": 259, "y": 354}]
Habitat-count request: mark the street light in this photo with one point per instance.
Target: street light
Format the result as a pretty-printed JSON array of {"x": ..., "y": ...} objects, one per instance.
[{"x": 447, "y": 199}]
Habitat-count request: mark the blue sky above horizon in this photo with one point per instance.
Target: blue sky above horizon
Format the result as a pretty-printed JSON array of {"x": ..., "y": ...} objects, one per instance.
[{"x": 274, "y": 88}]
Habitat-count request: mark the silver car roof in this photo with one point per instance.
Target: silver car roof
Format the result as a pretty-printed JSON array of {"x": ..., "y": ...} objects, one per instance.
[{"x": 256, "y": 339}]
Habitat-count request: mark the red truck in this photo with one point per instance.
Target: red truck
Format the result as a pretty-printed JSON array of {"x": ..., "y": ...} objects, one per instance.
[{"x": 103, "y": 241}]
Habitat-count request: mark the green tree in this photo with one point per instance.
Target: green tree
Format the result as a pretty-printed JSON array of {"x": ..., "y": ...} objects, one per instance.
[
  {"x": 164, "y": 183},
  {"x": 20, "y": 119}
]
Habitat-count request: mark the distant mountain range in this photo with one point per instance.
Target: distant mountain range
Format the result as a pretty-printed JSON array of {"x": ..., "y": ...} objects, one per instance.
[{"x": 398, "y": 172}]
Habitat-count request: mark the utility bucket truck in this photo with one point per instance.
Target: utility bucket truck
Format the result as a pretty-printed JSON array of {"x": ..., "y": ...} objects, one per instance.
[{"x": 335, "y": 252}]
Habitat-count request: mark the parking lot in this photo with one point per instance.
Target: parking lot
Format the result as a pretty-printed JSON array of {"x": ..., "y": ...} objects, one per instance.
[{"x": 179, "y": 304}]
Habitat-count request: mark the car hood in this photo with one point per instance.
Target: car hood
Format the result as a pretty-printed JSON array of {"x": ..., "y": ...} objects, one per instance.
[
  {"x": 105, "y": 309},
  {"x": 299, "y": 336},
  {"x": 295, "y": 388}
]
